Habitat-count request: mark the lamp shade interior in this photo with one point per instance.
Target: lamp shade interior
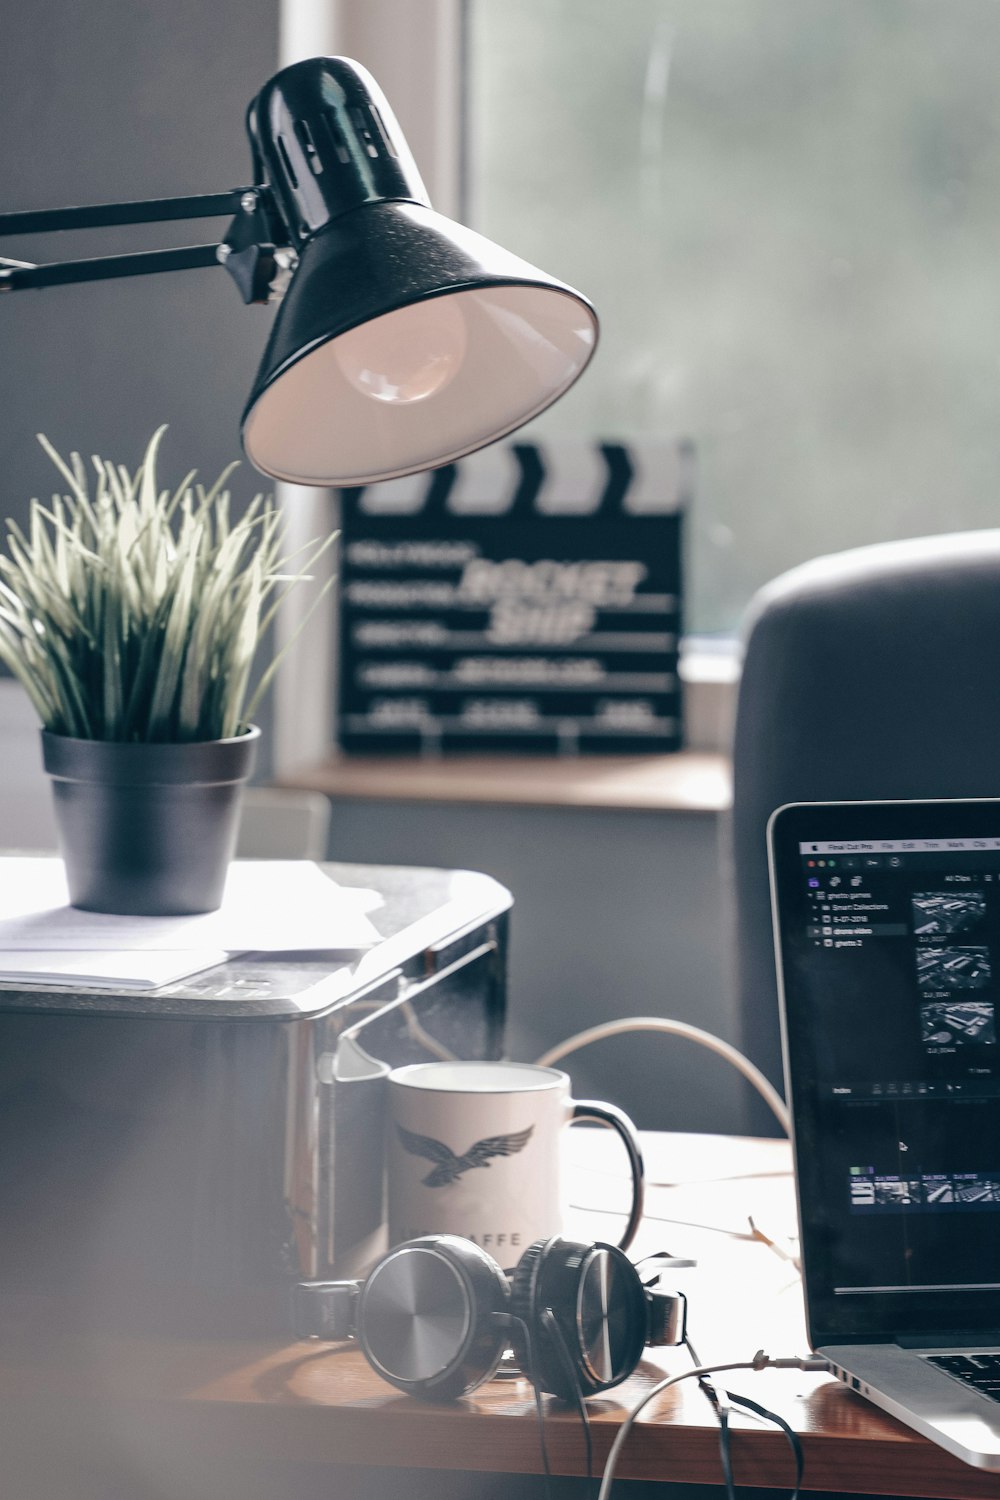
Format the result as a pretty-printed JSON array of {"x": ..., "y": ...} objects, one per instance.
[{"x": 421, "y": 385}]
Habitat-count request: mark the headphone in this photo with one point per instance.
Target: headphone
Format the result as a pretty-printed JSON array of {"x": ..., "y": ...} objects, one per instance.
[{"x": 436, "y": 1315}]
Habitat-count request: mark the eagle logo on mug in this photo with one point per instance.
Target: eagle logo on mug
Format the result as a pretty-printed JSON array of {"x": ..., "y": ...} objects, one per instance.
[{"x": 447, "y": 1166}]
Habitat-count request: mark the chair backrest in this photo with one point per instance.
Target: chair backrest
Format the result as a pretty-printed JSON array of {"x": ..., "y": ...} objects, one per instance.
[{"x": 870, "y": 674}]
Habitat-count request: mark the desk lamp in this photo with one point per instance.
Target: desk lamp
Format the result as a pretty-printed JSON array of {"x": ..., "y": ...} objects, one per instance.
[{"x": 402, "y": 340}]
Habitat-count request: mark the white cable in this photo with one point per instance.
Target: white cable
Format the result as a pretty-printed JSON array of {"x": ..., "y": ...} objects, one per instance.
[
  {"x": 423, "y": 1038},
  {"x": 760, "y": 1361},
  {"x": 607, "y": 1478},
  {"x": 715, "y": 1044}
]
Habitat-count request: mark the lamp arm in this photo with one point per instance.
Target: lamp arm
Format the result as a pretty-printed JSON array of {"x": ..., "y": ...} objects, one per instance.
[
  {"x": 18, "y": 276},
  {"x": 143, "y": 211},
  {"x": 254, "y": 251}
]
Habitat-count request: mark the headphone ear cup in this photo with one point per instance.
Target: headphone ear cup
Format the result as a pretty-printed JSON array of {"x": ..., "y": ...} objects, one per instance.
[
  {"x": 527, "y": 1331},
  {"x": 598, "y": 1316},
  {"x": 537, "y": 1347},
  {"x": 427, "y": 1317}
]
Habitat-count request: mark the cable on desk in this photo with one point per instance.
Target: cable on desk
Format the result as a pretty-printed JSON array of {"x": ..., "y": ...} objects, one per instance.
[
  {"x": 552, "y": 1328},
  {"x": 718, "y": 1399},
  {"x": 750, "y": 1072},
  {"x": 794, "y": 1441},
  {"x": 554, "y": 1332},
  {"x": 593, "y": 1170},
  {"x": 722, "y": 1400},
  {"x": 760, "y": 1361},
  {"x": 539, "y": 1407}
]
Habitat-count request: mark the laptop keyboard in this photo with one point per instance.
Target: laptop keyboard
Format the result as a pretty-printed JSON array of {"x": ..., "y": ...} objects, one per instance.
[{"x": 981, "y": 1371}]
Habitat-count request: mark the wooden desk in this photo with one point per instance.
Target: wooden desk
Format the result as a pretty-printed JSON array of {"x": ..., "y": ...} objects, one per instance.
[{"x": 218, "y": 1418}]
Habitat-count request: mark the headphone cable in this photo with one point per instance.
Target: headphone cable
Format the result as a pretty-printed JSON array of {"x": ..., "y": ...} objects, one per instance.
[
  {"x": 529, "y": 1371},
  {"x": 722, "y": 1400},
  {"x": 551, "y": 1326},
  {"x": 718, "y": 1399},
  {"x": 794, "y": 1441},
  {"x": 760, "y": 1361}
]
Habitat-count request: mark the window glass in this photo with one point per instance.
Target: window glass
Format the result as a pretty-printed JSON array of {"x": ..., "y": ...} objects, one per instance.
[{"x": 787, "y": 213}]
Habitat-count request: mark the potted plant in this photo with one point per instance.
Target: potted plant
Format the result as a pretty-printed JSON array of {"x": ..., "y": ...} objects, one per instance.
[{"x": 132, "y": 616}]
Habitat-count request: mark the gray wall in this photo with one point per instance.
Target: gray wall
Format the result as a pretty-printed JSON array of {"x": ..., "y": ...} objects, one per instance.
[
  {"x": 616, "y": 914},
  {"x": 113, "y": 100}
]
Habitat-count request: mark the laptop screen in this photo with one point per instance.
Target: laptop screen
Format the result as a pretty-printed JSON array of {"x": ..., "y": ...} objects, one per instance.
[{"x": 887, "y": 924}]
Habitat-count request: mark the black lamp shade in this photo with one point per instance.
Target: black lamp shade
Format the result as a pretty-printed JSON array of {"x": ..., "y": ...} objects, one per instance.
[{"x": 404, "y": 340}]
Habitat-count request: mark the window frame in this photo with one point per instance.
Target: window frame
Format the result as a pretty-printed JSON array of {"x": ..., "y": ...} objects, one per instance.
[{"x": 418, "y": 53}]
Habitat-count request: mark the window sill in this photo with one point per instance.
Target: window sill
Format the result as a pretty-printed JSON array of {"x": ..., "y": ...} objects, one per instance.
[{"x": 689, "y": 781}]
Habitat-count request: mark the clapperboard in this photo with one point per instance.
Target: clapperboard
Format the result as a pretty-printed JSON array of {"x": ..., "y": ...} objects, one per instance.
[{"x": 526, "y": 599}]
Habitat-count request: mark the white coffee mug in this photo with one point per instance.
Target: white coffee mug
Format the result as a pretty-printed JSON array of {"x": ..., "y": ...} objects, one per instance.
[{"x": 475, "y": 1149}]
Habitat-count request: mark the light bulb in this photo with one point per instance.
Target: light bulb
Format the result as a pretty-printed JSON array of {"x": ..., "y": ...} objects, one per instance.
[{"x": 407, "y": 355}]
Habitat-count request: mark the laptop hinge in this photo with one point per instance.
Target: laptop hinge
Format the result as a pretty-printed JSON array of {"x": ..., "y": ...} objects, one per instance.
[{"x": 962, "y": 1338}]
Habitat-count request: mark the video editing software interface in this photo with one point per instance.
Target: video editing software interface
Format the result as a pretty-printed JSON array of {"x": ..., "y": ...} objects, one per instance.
[{"x": 898, "y": 955}]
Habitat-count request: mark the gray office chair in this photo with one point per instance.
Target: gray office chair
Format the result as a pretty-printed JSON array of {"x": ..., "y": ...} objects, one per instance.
[{"x": 870, "y": 674}]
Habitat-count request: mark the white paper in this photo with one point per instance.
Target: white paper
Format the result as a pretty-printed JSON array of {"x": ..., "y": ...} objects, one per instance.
[
  {"x": 269, "y": 905},
  {"x": 147, "y": 970}
]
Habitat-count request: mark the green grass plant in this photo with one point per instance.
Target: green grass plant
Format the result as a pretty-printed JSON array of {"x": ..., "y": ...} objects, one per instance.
[{"x": 132, "y": 613}]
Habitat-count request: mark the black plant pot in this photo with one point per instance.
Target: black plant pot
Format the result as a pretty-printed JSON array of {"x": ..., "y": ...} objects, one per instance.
[{"x": 148, "y": 829}]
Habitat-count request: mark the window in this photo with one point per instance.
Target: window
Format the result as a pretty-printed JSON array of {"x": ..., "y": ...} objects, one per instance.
[{"x": 787, "y": 213}]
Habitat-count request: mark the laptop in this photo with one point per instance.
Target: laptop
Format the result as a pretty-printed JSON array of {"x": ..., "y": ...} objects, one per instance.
[{"x": 887, "y": 933}]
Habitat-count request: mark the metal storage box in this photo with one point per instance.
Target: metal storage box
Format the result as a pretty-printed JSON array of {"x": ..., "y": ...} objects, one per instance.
[{"x": 173, "y": 1160}]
